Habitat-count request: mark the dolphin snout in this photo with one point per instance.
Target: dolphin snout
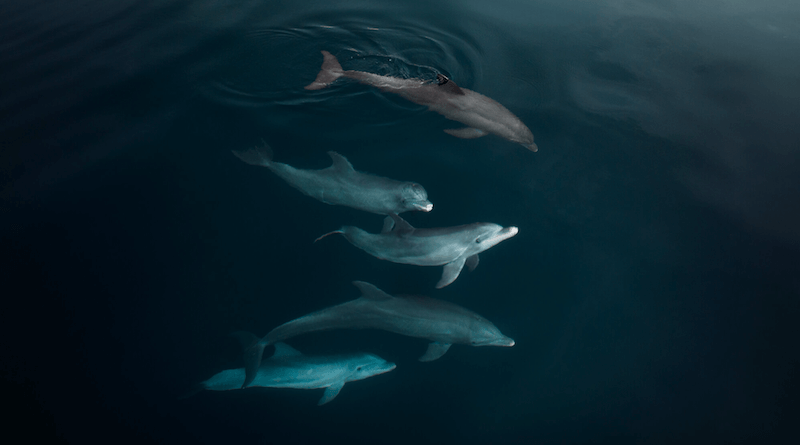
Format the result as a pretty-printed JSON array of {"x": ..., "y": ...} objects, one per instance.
[
  {"x": 427, "y": 207},
  {"x": 507, "y": 341},
  {"x": 504, "y": 341},
  {"x": 532, "y": 147},
  {"x": 511, "y": 231}
]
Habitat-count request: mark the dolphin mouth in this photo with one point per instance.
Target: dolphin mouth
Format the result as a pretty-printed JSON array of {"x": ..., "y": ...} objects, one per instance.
[
  {"x": 498, "y": 237},
  {"x": 388, "y": 367},
  {"x": 504, "y": 342},
  {"x": 503, "y": 235},
  {"x": 532, "y": 147},
  {"x": 377, "y": 369},
  {"x": 427, "y": 206}
]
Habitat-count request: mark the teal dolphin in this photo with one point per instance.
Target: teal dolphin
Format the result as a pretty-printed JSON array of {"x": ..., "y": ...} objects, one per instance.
[
  {"x": 288, "y": 368},
  {"x": 451, "y": 247},
  {"x": 341, "y": 184}
]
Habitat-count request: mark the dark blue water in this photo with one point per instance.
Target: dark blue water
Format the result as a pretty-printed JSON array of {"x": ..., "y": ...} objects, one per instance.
[{"x": 652, "y": 290}]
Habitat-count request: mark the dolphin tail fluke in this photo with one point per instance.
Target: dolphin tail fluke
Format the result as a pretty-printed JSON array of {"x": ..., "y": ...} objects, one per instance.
[
  {"x": 331, "y": 70},
  {"x": 195, "y": 389},
  {"x": 256, "y": 156},
  {"x": 253, "y": 351},
  {"x": 328, "y": 234}
]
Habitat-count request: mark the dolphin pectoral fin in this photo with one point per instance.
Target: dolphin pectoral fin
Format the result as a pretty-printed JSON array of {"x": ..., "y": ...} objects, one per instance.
[
  {"x": 330, "y": 393},
  {"x": 451, "y": 272},
  {"x": 466, "y": 133},
  {"x": 388, "y": 224},
  {"x": 472, "y": 262},
  {"x": 340, "y": 163},
  {"x": 435, "y": 350}
]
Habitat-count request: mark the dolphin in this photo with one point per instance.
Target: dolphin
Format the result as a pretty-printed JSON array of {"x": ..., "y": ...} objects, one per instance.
[
  {"x": 341, "y": 184},
  {"x": 479, "y": 113},
  {"x": 288, "y": 368},
  {"x": 439, "y": 321},
  {"x": 452, "y": 247}
]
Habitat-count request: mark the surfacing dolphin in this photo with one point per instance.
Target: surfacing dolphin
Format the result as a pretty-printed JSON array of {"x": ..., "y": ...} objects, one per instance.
[
  {"x": 439, "y": 321},
  {"x": 288, "y": 368},
  {"x": 481, "y": 114},
  {"x": 341, "y": 184},
  {"x": 452, "y": 247}
]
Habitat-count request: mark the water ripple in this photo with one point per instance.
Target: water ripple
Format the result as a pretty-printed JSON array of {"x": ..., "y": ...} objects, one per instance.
[{"x": 276, "y": 62}]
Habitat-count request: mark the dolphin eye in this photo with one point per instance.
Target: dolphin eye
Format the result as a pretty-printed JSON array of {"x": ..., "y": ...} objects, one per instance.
[
  {"x": 358, "y": 369},
  {"x": 478, "y": 240}
]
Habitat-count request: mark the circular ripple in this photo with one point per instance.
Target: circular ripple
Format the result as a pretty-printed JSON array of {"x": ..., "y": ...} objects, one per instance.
[{"x": 273, "y": 64}]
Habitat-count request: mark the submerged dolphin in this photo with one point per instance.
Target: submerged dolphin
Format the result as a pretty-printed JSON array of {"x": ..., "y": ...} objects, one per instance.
[
  {"x": 441, "y": 322},
  {"x": 452, "y": 247},
  {"x": 341, "y": 184},
  {"x": 481, "y": 114},
  {"x": 288, "y": 368}
]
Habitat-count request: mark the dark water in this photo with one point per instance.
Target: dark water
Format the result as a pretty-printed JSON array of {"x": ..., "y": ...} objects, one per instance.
[{"x": 652, "y": 290}]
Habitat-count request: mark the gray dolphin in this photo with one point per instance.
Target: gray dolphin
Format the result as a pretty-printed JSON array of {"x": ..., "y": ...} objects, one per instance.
[
  {"x": 452, "y": 247},
  {"x": 341, "y": 184},
  {"x": 481, "y": 114},
  {"x": 441, "y": 322},
  {"x": 288, "y": 368}
]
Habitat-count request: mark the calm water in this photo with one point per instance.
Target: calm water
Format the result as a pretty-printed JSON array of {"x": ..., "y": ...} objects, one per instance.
[{"x": 652, "y": 290}]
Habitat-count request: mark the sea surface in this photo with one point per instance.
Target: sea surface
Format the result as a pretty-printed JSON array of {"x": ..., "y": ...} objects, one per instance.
[{"x": 652, "y": 289}]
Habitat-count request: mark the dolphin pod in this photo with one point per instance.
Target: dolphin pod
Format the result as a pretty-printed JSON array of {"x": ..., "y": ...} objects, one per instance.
[
  {"x": 481, "y": 114},
  {"x": 440, "y": 322}
]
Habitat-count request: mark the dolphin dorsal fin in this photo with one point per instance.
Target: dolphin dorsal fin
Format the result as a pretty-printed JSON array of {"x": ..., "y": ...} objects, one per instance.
[
  {"x": 370, "y": 291},
  {"x": 400, "y": 225},
  {"x": 448, "y": 85},
  {"x": 284, "y": 350},
  {"x": 340, "y": 163}
]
